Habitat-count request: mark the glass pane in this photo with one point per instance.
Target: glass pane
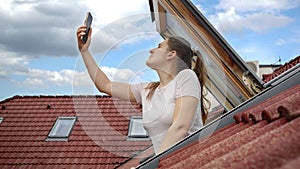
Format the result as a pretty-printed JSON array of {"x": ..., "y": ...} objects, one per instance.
[
  {"x": 220, "y": 78},
  {"x": 62, "y": 127},
  {"x": 137, "y": 129}
]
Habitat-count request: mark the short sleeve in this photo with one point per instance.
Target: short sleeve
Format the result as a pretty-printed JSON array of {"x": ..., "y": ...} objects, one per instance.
[
  {"x": 187, "y": 84},
  {"x": 137, "y": 90}
]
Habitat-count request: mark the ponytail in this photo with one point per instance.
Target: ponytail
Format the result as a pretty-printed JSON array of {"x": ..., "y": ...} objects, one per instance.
[{"x": 199, "y": 69}]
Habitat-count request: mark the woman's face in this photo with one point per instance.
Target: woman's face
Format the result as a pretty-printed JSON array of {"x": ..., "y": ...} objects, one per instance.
[{"x": 158, "y": 55}]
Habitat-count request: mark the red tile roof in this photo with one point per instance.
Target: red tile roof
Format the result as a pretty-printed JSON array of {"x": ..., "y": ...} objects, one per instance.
[
  {"x": 264, "y": 136},
  {"x": 98, "y": 139},
  {"x": 281, "y": 69}
]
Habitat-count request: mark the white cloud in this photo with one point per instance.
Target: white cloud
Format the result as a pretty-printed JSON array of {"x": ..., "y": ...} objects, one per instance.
[
  {"x": 36, "y": 78},
  {"x": 31, "y": 29},
  {"x": 81, "y": 79},
  {"x": 280, "y": 42},
  {"x": 57, "y": 78},
  {"x": 47, "y": 28},
  {"x": 121, "y": 75},
  {"x": 131, "y": 29},
  {"x": 39, "y": 28},
  {"x": 225, "y": 21},
  {"x": 259, "y": 22},
  {"x": 258, "y": 16},
  {"x": 43, "y": 79},
  {"x": 265, "y": 5},
  {"x": 109, "y": 11},
  {"x": 200, "y": 8},
  {"x": 10, "y": 64},
  {"x": 33, "y": 83}
]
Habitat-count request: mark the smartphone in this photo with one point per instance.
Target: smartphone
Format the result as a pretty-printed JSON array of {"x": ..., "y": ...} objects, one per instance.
[{"x": 88, "y": 23}]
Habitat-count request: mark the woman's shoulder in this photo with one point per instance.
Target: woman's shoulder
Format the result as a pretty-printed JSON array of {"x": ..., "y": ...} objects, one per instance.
[
  {"x": 142, "y": 84},
  {"x": 187, "y": 84},
  {"x": 186, "y": 73}
]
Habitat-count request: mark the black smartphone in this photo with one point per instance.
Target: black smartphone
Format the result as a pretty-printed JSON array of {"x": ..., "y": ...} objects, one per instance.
[{"x": 88, "y": 23}]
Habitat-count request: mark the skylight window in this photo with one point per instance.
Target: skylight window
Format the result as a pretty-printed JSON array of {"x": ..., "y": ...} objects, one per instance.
[
  {"x": 1, "y": 119},
  {"x": 61, "y": 129},
  {"x": 136, "y": 129}
]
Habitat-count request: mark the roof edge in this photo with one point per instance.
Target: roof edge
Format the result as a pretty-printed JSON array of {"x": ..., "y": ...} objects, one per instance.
[{"x": 52, "y": 96}]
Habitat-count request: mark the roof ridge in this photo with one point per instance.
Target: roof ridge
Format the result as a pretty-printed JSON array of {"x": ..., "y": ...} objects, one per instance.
[
  {"x": 8, "y": 99},
  {"x": 52, "y": 96},
  {"x": 296, "y": 60},
  {"x": 282, "y": 69}
]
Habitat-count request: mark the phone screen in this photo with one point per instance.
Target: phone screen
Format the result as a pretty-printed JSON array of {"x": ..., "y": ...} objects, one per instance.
[{"x": 88, "y": 23}]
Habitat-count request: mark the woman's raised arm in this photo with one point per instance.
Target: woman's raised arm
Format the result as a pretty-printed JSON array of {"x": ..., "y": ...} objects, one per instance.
[{"x": 102, "y": 82}]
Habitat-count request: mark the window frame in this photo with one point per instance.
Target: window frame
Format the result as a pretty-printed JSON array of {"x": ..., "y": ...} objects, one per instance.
[
  {"x": 1, "y": 119},
  {"x": 54, "y": 137}
]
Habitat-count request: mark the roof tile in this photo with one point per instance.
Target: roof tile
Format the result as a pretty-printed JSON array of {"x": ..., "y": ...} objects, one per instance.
[
  {"x": 271, "y": 150},
  {"x": 99, "y": 137},
  {"x": 264, "y": 136}
]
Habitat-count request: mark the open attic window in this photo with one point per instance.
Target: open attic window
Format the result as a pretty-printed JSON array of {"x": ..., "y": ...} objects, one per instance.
[
  {"x": 61, "y": 129},
  {"x": 228, "y": 79},
  {"x": 1, "y": 119},
  {"x": 136, "y": 129}
]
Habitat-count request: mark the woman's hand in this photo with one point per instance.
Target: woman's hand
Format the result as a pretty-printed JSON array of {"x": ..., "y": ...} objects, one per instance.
[{"x": 83, "y": 47}]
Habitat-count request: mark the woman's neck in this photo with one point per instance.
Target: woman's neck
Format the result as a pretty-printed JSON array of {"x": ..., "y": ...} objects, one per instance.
[{"x": 165, "y": 77}]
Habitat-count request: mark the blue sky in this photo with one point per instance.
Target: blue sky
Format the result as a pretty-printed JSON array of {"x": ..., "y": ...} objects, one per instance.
[{"x": 38, "y": 48}]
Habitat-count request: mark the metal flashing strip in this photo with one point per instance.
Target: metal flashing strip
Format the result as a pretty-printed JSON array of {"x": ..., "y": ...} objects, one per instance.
[{"x": 290, "y": 72}]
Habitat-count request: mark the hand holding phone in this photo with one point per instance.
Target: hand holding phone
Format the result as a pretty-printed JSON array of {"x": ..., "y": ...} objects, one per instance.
[{"x": 88, "y": 23}]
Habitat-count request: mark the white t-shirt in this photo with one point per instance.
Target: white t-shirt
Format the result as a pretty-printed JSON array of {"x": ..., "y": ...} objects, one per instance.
[{"x": 158, "y": 111}]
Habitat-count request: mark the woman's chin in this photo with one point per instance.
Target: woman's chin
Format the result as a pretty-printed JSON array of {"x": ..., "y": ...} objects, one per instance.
[{"x": 148, "y": 63}]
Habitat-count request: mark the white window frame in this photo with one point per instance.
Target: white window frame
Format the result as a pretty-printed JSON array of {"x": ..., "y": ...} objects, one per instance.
[
  {"x": 1, "y": 119},
  {"x": 136, "y": 120},
  {"x": 53, "y": 136}
]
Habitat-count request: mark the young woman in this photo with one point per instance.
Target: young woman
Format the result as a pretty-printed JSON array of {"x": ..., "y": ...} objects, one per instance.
[{"x": 173, "y": 107}]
